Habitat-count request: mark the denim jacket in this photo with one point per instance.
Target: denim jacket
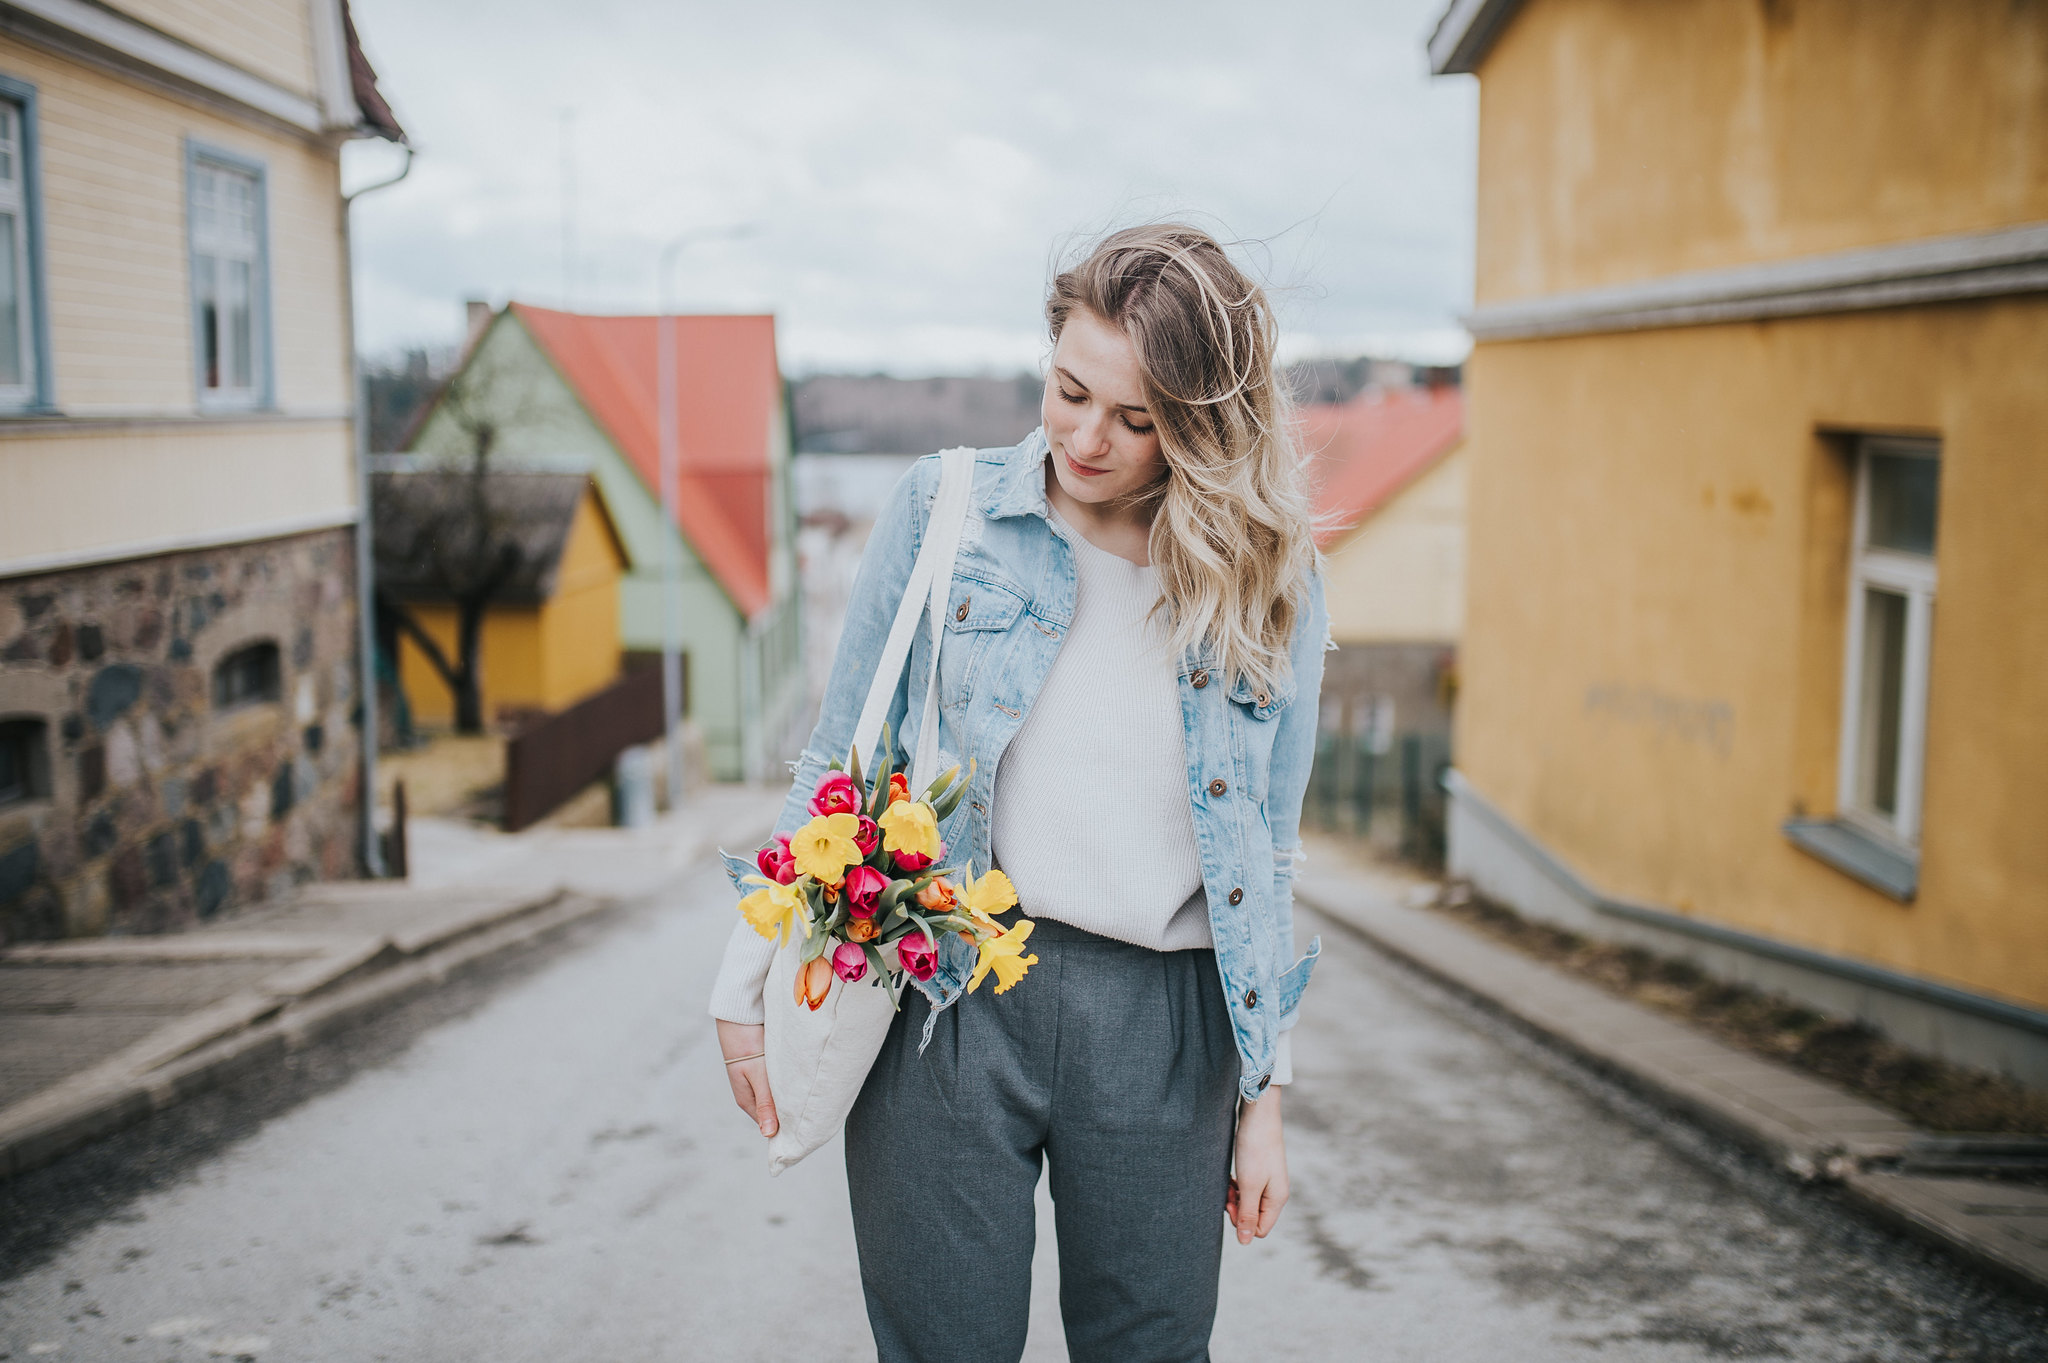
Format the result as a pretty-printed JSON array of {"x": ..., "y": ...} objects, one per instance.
[{"x": 1012, "y": 598}]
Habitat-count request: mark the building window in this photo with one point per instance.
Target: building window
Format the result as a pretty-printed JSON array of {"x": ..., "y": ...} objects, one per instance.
[
  {"x": 1891, "y": 620},
  {"x": 24, "y": 761},
  {"x": 230, "y": 280},
  {"x": 24, "y": 350},
  {"x": 248, "y": 676}
]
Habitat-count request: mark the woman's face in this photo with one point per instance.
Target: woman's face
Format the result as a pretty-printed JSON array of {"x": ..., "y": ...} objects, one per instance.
[{"x": 1104, "y": 445}]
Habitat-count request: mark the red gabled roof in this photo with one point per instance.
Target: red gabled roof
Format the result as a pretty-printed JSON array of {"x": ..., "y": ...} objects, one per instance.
[
  {"x": 727, "y": 389},
  {"x": 1360, "y": 453}
]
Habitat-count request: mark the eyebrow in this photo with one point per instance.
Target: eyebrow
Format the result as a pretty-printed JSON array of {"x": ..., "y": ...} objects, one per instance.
[{"x": 1068, "y": 375}]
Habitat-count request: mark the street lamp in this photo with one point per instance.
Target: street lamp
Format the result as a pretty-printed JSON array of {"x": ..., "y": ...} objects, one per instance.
[{"x": 670, "y": 478}]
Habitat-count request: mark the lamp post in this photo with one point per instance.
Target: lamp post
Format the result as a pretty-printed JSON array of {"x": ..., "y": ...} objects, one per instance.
[{"x": 669, "y": 481}]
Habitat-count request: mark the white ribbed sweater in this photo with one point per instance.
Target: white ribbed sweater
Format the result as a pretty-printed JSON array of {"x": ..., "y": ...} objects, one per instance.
[{"x": 1091, "y": 819}]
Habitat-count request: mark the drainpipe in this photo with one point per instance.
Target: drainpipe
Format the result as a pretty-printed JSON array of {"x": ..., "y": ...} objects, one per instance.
[{"x": 366, "y": 628}]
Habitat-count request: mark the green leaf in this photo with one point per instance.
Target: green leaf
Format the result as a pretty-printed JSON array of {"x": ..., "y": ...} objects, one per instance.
[
  {"x": 878, "y": 802},
  {"x": 939, "y": 783},
  {"x": 853, "y": 768}
]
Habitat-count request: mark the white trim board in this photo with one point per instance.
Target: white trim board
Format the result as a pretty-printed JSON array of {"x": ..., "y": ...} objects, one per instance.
[
  {"x": 100, "y": 35},
  {"x": 1932, "y": 270},
  {"x": 176, "y": 544}
]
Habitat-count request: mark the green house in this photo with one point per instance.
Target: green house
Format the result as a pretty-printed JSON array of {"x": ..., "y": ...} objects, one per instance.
[{"x": 539, "y": 388}]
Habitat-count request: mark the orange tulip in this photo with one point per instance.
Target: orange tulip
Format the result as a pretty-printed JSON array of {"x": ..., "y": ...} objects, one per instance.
[
  {"x": 937, "y": 895},
  {"x": 860, "y": 929},
  {"x": 813, "y": 982}
]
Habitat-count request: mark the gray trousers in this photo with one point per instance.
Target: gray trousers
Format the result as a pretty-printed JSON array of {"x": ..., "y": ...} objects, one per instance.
[{"x": 1116, "y": 1065}]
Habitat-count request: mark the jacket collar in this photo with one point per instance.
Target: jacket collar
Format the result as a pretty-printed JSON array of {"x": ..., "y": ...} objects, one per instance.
[{"x": 1018, "y": 487}]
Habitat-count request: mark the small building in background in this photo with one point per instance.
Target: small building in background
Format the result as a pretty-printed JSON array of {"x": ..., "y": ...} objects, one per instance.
[
  {"x": 550, "y": 625},
  {"x": 1753, "y": 669},
  {"x": 1388, "y": 472},
  {"x": 547, "y": 390},
  {"x": 179, "y": 660}
]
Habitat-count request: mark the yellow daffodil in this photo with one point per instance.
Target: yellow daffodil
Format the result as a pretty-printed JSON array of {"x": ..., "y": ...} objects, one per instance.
[
  {"x": 825, "y": 847},
  {"x": 772, "y": 908},
  {"x": 909, "y": 826},
  {"x": 981, "y": 900},
  {"x": 1004, "y": 955}
]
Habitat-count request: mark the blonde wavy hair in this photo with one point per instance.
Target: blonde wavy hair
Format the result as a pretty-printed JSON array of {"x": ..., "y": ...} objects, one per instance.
[{"x": 1231, "y": 538}]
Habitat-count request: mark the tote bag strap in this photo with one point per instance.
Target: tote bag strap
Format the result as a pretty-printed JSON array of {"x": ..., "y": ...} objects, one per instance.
[{"x": 931, "y": 579}]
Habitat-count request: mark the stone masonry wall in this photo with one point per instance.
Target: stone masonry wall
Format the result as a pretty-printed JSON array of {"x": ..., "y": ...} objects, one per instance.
[{"x": 161, "y": 809}]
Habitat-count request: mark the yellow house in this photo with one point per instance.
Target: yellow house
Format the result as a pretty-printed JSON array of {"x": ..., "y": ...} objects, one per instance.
[
  {"x": 549, "y": 627},
  {"x": 180, "y": 660},
  {"x": 1756, "y": 655}
]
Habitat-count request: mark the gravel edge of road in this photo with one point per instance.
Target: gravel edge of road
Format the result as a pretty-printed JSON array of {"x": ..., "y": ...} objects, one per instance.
[{"x": 1869, "y": 1193}]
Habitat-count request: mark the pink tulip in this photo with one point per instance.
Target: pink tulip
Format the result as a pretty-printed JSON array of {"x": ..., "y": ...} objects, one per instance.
[
  {"x": 863, "y": 890},
  {"x": 836, "y": 794},
  {"x": 910, "y": 863},
  {"x": 918, "y": 954},
  {"x": 869, "y": 837},
  {"x": 849, "y": 963},
  {"x": 775, "y": 861}
]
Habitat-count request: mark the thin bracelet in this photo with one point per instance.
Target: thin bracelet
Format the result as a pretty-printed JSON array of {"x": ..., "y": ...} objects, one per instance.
[{"x": 755, "y": 1056}]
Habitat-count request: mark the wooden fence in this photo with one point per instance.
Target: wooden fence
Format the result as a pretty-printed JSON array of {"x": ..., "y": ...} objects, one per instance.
[{"x": 552, "y": 759}]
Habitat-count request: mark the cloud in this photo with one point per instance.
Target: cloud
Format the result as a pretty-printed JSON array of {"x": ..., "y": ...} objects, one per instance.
[{"x": 911, "y": 170}]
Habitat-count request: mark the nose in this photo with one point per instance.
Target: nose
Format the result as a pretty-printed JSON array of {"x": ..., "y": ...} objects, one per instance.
[{"x": 1091, "y": 435}]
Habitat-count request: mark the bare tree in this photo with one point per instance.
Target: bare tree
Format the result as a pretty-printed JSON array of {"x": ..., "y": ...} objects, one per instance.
[{"x": 455, "y": 535}]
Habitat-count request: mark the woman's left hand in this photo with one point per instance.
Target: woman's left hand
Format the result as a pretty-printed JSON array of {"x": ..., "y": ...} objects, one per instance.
[{"x": 1259, "y": 1189}]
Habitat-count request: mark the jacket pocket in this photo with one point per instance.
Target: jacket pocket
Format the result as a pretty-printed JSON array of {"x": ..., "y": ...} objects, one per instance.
[{"x": 978, "y": 615}]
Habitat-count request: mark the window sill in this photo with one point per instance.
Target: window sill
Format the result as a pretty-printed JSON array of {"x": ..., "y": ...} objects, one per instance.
[{"x": 1857, "y": 854}]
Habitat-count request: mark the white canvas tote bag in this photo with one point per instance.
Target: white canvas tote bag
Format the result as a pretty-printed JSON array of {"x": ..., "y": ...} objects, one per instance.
[{"x": 817, "y": 1061}]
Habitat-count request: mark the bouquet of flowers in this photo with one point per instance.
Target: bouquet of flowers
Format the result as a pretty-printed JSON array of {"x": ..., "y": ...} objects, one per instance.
[{"x": 861, "y": 883}]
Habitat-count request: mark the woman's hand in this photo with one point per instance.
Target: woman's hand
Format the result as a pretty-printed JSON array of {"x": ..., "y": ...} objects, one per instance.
[
  {"x": 1259, "y": 1190},
  {"x": 749, "y": 1078}
]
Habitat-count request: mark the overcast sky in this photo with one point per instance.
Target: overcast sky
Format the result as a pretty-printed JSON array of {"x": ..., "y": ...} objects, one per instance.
[{"x": 908, "y": 171}]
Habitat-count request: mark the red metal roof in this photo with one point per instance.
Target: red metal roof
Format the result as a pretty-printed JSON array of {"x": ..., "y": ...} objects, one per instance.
[
  {"x": 727, "y": 390},
  {"x": 1360, "y": 453}
]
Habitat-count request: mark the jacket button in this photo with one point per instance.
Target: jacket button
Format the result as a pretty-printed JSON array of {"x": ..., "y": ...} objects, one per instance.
[
  {"x": 961, "y": 613},
  {"x": 1199, "y": 680},
  {"x": 1218, "y": 786},
  {"x": 1262, "y": 698},
  {"x": 1264, "y": 1080},
  {"x": 1237, "y": 896},
  {"x": 1251, "y": 998}
]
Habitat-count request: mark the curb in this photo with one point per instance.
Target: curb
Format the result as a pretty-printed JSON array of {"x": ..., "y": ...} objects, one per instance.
[
  {"x": 1973, "y": 1233},
  {"x": 104, "y": 1108}
]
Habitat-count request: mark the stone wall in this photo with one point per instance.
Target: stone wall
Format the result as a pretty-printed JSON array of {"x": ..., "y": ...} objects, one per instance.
[{"x": 156, "y": 807}]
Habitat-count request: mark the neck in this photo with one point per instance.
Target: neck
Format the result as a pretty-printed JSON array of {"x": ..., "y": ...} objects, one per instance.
[{"x": 1117, "y": 527}]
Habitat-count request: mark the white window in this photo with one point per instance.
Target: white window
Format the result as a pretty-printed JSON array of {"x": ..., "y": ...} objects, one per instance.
[
  {"x": 228, "y": 283},
  {"x": 17, "y": 310},
  {"x": 1891, "y": 620}
]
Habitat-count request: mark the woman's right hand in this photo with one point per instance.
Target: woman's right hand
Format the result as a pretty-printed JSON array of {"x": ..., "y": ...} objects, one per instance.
[{"x": 749, "y": 1078}]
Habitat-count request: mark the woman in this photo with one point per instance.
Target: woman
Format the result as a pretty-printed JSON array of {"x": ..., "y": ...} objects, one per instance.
[{"x": 1134, "y": 649}]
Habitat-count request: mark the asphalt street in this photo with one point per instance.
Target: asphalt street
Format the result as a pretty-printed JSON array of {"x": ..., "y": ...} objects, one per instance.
[{"x": 542, "y": 1163}]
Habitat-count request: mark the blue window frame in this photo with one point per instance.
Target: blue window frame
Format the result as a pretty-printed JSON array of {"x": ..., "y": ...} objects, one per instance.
[
  {"x": 25, "y": 376},
  {"x": 228, "y": 238}
]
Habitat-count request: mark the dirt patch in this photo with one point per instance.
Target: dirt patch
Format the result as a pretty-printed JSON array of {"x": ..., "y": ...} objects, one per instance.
[{"x": 1931, "y": 1093}]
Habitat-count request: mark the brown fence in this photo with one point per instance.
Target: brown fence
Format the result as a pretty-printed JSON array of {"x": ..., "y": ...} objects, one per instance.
[{"x": 552, "y": 759}]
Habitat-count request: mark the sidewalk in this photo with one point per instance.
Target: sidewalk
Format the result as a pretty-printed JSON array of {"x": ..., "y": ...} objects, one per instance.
[
  {"x": 97, "y": 1033},
  {"x": 1808, "y": 1127}
]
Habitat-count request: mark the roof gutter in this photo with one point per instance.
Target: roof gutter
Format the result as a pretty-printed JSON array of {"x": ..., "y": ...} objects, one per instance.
[{"x": 1466, "y": 33}]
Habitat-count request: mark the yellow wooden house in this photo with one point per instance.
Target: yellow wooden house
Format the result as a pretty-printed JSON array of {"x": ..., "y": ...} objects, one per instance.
[
  {"x": 550, "y": 632},
  {"x": 1757, "y": 608}
]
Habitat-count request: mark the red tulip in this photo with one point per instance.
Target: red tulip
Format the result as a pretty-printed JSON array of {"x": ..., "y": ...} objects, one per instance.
[
  {"x": 775, "y": 861},
  {"x": 849, "y": 963},
  {"x": 863, "y": 889},
  {"x": 918, "y": 955}
]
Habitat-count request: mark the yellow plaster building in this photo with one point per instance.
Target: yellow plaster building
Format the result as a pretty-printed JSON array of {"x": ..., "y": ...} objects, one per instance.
[{"x": 1756, "y": 654}]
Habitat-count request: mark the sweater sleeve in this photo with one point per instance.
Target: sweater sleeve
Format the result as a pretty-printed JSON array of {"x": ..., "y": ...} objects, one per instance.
[{"x": 878, "y": 587}]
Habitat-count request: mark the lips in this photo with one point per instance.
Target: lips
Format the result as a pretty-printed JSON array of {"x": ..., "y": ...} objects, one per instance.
[{"x": 1081, "y": 468}]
